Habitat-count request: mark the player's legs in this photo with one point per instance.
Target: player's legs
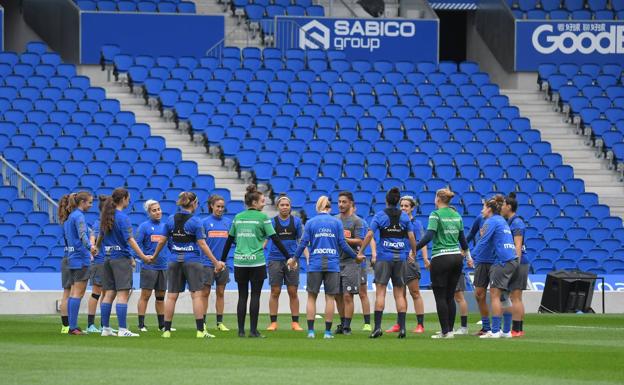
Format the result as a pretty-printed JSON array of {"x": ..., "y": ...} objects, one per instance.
[
  {"x": 77, "y": 291},
  {"x": 159, "y": 306},
  {"x": 257, "y": 280},
  {"x": 311, "y": 312},
  {"x": 219, "y": 306},
  {"x": 497, "y": 308},
  {"x": 199, "y": 307},
  {"x": 63, "y": 310},
  {"x": 380, "y": 303},
  {"x": 419, "y": 306},
  {"x": 460, "y": 300},
  {"x": 517, "y": 309},
  {"x": 170, "y": 304},
  {"x": 205, "y": 294},
  {"x": 142, "y": 307},
  {"x": 106, "y": 307},
  {"x": 293, "y": 298},
  {"x": 401, "y": 306},
  {"x": 274, "y": 306},
  {"x": 363, "y": 294}
]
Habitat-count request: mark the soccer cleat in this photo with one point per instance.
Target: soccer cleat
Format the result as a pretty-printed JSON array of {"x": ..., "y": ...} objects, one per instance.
[
  {"x": 256, "y": 334},
  {"x": 171, "y": 330},
  {"x": 516, "y": 334},
  {"x": 76, "y": 332},
  {"x": 222, "y": 327},
  {"x": 64, "y": 329},
  {"x": 328, "y": 335},
  {"x": 126, "y": 333},
  {"x": 367, "y": 328},
  {"x": 346, "y": 331},
  {"x": 462, "y": 331},
  {"x": 311, "y": 334},
  {"x": 376, "y": 333},
  {"x": 506, "y": 335},
  {"x": 443, "y": 336},
  {"x": 401, "y": 334},
  {"x": 272, "y": 327},
  {"x": 481, "y": 332},
  {"x": 143, "y": 329},
  {"x": 491, "y": 335},
  {"x": 108, "y": 332},
  {"x": 94, "y": 329},
  {"x": 296, "y": 327},
  {"x": 166, "y": 334},
  {"x": 339, "y": 329},
  {"x": 394, "y": 329},
  {"x": 419, "y": 329},
  {"x": 203, "y": 334}
]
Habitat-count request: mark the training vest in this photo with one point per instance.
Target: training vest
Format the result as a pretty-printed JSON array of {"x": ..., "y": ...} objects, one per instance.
[
  {"x": 179, "y": 235},
  {"x": 288, "y": 233},
  {"x": 394, "y": 230}
]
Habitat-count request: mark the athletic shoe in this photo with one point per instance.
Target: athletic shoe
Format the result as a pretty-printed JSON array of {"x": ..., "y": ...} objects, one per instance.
[
  {"x": 367, "y": 328},
  {"x": 222, "y": 327},
  {"x": 143, "y": 329},
  {"x": 203, "y": 334},
  {"x": 126, "y": 333},
  {"x": 296, "y": 327},
  {"x": 463, "y": 331},
  {"x": 491, "y": 335},
  {"x": 162, "y": 329},
  {"x": 419, "y": 329},
  {"x": 108, "y": 332},
  {"x": 376, "y": 333},
  {"x": 272, "y": 327},
  {"x": 328, "y": 335},
  {"x": 516, "y": 334},
  {"x": 401, "y": 334},
  {"x": 394, "y": 329},
  {"x": 64, "y": 329},
  {"x": 94, "y": 329},
  {"x": 339, "y": 329},
  {"x": 311, "y": 334},
  {"x": 481, "y": 333},
  {"x": 76, "y": 332},
  {"x": 166, "y": 334},
  {"x": 506, "y": 335},
  {"x": 241, "y": 334},
  {"x": 256, "y": 334},
  {"x": 346, "y": 331},
  {"x": 443, "y": 336}
]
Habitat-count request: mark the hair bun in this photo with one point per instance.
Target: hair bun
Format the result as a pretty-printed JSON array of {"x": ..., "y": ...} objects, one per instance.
[
  {"x": 252, "y": 188},
  {"x": 512, "y": 195},
  {"x": 394, "y": 190}
]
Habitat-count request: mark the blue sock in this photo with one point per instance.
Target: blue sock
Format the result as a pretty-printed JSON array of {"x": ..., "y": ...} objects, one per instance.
[
  {"x": 73, "y": 307},
  {"x": 122, "y": 311},
  {"x": 496, "y": 324},
  {"x": 105, "y": 310},
  {"x": 485, "y": 321},
  {"x": 506, "y": 322}
]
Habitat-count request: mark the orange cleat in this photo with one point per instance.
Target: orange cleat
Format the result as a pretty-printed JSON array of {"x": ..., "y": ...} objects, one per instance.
[
  {"x": 394, "y": 329},
  {"x": 272, "y": 327},
  {"x": 295, "y": 326},
  {"x": 515, "y": 334},
  {"x": 419, "y": 329}
]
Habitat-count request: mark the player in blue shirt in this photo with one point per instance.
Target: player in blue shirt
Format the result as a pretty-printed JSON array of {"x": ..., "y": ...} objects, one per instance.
[
  {"x": 188, "y": 237},
  {"x": 519, "y": 279},
  {"x": 79, "y": 251},
  {"x": 363, "y": 292},
  {"x": 116, "y": 240},
  {"x": 324, "y": 235},
  {"x": 64, "y": 209},
  {"x": 395, "y": 230},
  {"x": 497, "y": 243},
  {"x": 289, "y": 229},
  {"x": 481, "y": 278},
  {"x": 153, "y": 275},
  {"x": 216, "y": 227},
  {"x": 97, "y": 269}
]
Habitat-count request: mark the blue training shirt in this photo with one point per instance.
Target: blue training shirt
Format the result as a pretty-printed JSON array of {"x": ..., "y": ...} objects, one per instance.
[
  {"x": 217, "y": 230},
  {"x": 77, "y": 240},
  {"x": 186, "y": 251},
  {"x": 389, "y": 249},
  {"x": 289, "y": 244},
  {"x": 115, "y": 242},
  {"x": 418, "y": 230},
  {"x": 325, "y": 235},
  {"x": 518, "y": 227},
  {"x": 148, "y": 235},
  {"x": 98, "y": 259},
  {"x": 496, "y": 244},
  {"x": 474, "y": 230}
]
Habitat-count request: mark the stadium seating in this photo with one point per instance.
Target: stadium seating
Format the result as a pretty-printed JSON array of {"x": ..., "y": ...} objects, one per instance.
[
  {"x": 164, "y": 6},
  {"x": 566, "y": 9}
]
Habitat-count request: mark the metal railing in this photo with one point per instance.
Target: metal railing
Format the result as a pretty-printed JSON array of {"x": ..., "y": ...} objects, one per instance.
[
  {"x": 288, "y": 34},
  {"x": 26, "y": 189}
]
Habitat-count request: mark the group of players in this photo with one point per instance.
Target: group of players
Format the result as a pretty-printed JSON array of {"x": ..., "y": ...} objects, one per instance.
[{"x": 185, "y": 251}]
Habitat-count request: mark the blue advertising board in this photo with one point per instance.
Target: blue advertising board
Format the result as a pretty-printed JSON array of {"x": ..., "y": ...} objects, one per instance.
[
  {"x": 149, "y": 33},
  {"x": 557, "y": 42},
  {"x": 362, "y": 39}
]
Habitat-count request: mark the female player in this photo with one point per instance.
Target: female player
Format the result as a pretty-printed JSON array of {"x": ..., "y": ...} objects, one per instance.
[
  {"x": 460, "y": 300},
  {"x": 187, "y": 239},
  {"x": 446, "y": 229},
  {"x": 116, "y": 239},
  {"x": 325, "y": 236},
  {"x": 394, "y": 228},
  {"x": 411, "y": 274},
  {"x": 289, "y": 231},
  {"x": 79, "y": 255},
  {"x": 63, "y": 214},
  {"x": 519, "y": 279},
  {"x": 97, "y": 268},
  {"x": 496, "y": 239},
  {"x": 481, "y": 275},
  {"x": 216, "y": 227},
  {"x": 363, "y": 292},
  {"x": 153, "y": 275},
  {"x": 249, "y": 231}
]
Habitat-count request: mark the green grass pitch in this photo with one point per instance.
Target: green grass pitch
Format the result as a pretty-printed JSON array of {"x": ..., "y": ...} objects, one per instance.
[{"x": 558, "y": 349}]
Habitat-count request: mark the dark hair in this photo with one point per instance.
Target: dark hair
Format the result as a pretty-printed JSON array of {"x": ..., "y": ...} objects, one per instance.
[
  {"x": 346, "y": 194},
  {"x": 303, "y": 216},
  {"x": 186, "y": 199},
  {"x": 64, "y": 205},
  {"x": 393, "y": 196},
  {"x": 495, "y": 203},
  {"x": 252, "y": 195},
  {"x": 214, "y": 199},
  {"x": 107, "y": 214},
  {"x": 101, "y": 201},
  {"x": 512, "y": 201}
]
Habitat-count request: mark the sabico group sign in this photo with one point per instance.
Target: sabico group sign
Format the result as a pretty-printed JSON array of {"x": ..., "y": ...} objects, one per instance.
[
  {"x": 361, "y": 39},
  {"x": 579, "y": 42}
]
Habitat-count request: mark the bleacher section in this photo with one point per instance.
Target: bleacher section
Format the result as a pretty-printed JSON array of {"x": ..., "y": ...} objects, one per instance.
[
  {"x": 312, "y": 123},
  {"x": 567, "y": 9},
  {"x": 168, "y": 6}
]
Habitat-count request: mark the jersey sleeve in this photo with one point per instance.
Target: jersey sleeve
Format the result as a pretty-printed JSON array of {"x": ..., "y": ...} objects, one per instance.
[
  {"x": 434, "y": 221},
  {"x": 82, "y": 231},
  {"x": 406, "y": 223},
  {"x": 364, "y": 229},
  {"x": 140, "y": 236},
  {"x": 298, "y": 228},
  {"x": 358, "y": 229},
  {"x": 232, "y": 231},
  {"x": 200, "y": 232},
  {"x": 267, "y": 227},
  {"x": 517, "y": 228},
  {"x": 418, "y": 230},
  {"x": 126, "y": 227},
  {"x": 305, "y": 239},
  {"x": 374, "y": 226},
  {"x": 487, "y": 231}
]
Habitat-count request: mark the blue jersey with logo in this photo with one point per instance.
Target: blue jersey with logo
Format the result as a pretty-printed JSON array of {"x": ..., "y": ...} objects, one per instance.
[
  {"x": 115, "y": 242},
  {"x": 496, "y": 244},
  {"x": 98, "y": 259},
  {"x": 216, "y": 230},
  {"x": 289, "y": 244},
  {"x": 77, "y": 240},
  {"x": 325, "y": 235},
  {"x": 517, "y": 227},
  {"x": 389, "y": 249},
  {"x": 474, "y": 230},
  {"x": 186, "y": 251},
  {"x": 148, "y": 235}
]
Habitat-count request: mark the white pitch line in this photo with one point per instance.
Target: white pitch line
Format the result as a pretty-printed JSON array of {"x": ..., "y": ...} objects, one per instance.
[{"x": 588, "y": 327}]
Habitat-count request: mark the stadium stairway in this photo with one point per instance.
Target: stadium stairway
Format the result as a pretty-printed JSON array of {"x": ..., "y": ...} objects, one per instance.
[
  {"x": 598, "y": 178},
  {"x": 192, "y": 151}
]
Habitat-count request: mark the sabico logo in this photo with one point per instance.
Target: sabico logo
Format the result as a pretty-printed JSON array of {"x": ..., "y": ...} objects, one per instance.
[
  {"x": 353, "y": 34},
  {"x": 607, "y": 42}
]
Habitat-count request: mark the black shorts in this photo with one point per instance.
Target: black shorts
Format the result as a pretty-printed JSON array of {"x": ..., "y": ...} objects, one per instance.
[
  {"x": 96, "y": 274},
  {"x": 256, "y": 274},
  {"x": 221, "y": 278},
  {"x": 482, "y": 275},
  {"x": 500, "y": 275},
  {"x": 461, "y": 283},
  {"x": 349, "y": 278},
  {"x": 66, "y": 281},
  {"x": 80, "y": 275},
  {"x": 520, "y": 278},
  {"x": 280, "y": 275},
  {"x": 153, "y": 280},
  {"x": 445, "y": 270},
  {"x": 411, "y": 271},
  {"x": 117, "y": 274},
  {"x": 179, "y": 274},
  {"x": 386, "y": 270},
  {"x": 329, "y": 279}
]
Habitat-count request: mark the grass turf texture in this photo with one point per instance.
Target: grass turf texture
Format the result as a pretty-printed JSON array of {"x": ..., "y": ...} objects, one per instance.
[{"x": 558, "y": 349}]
